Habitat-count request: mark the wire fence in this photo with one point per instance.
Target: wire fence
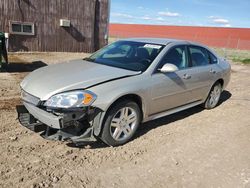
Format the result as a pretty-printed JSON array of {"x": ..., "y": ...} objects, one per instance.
[{"x": 229, "y": 42}]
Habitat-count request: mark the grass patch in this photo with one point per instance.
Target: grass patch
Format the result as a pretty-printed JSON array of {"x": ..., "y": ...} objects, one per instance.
[
  {"x": 233, "y": 54},
  {"x": 243, "y": 61},
  {"x": 246, "y": 61}
]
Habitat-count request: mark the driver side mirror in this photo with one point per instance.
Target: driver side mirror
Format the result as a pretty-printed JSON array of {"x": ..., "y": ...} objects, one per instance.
[{"x": 168, "y": 67}]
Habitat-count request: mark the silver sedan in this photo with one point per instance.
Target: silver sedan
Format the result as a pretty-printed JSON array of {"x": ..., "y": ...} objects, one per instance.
[{"x": 109, "y": 94}]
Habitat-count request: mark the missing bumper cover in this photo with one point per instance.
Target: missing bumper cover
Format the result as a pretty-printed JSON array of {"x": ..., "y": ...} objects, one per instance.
[
  {"x": 82, "y": 132},
  {"x": 28, "y": 121}
]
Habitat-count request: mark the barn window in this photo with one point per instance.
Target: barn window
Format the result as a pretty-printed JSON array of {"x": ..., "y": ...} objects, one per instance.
[
  {"x": 22, "y": 28},
  {"x": 16, "y": 28}
]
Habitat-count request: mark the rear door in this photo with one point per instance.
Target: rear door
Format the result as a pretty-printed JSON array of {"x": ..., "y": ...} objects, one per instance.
[{"x": 203, "y": 71}]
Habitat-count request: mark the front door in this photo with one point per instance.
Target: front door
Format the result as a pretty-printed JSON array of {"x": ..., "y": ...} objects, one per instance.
[{"x": 170, "y": 90}]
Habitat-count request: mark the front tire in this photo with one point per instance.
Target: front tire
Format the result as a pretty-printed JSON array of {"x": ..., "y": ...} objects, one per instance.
[
  {"x": 121, "y": 123},
  {"x": 213, "y": 96}
]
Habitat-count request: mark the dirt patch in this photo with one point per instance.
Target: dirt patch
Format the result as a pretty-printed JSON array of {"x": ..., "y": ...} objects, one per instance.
[
  {"x": 8, "y": 104},
  {"x": 193, "y": 148}
]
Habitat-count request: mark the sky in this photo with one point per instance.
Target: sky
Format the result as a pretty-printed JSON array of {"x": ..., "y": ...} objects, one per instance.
[{"x": 219, "y": 13}]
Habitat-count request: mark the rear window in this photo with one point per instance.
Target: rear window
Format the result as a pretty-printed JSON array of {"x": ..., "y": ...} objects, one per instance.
[
  {"x": 212, "y": 58},
  {"x": 199, "y": 56}
]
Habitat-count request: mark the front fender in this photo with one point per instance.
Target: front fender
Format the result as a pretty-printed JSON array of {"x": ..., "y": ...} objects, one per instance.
[{"x": 110, "y": 92}]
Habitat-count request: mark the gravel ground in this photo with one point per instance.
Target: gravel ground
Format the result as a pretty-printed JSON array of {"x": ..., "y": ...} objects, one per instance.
[{"x": 193, "y": 148}]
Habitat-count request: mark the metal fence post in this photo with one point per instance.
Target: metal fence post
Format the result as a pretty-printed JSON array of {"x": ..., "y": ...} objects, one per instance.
[{"x": 238, "y": 44}]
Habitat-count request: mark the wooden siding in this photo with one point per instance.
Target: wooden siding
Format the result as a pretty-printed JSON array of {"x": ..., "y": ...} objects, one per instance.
[
  {"x": 89, "y": 20},
  {"x": 101, "y": 21}
]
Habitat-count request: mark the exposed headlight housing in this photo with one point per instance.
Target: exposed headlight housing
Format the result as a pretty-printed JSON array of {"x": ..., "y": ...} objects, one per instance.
[{"x": 73, "y": 99}]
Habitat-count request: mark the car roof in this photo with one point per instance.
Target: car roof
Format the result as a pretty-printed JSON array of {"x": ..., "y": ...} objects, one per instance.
[{"x": 161, "y": 41}]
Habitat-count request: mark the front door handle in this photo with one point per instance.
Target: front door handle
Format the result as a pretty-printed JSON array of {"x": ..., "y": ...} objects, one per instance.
[
  {"x": 186, "y": 76},
  {"x": 212, "y": 71}
]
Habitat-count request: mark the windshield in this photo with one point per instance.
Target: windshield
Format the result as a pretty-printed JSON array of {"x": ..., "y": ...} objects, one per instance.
[{"x": 135, "y": 56}]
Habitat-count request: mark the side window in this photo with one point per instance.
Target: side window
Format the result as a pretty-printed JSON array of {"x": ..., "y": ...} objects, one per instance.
[
  {"x": 212, "y": 58},
  {"x": 176, "y": 56},
  {"x": 199, "y": 56}
]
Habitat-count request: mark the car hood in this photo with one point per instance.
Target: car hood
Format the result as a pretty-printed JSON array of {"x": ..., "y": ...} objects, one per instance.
[{"x": 72, "y": 75}]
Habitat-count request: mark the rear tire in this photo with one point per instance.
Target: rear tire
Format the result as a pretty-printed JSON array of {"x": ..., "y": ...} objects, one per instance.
[
  {"x": 213, "y": 96},
  {"x": 121, "y": 123}
]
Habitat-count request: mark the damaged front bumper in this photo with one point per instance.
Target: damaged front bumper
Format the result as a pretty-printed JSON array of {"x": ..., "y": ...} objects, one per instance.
[{"x": 73, "y": 126}]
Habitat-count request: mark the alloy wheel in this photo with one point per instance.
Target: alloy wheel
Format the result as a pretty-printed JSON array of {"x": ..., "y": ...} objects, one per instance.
[
  {"x": 215, "y": 96},
  {"x": 123, "y": 123}
]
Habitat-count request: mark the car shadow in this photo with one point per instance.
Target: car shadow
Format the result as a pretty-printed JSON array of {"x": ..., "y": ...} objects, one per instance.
[
  {"x": 148, "y": 126},
  {"x": 88, "y": 145},
  {"x": 166, "y": 120},
  {"x": 144, "y": 128},
  {"x": 17, "y": 67},
  {"x": 225, "y": 95}
]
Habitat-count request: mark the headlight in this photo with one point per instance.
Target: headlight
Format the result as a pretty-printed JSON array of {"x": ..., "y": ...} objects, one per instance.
[{"x": 72, "y": 99}]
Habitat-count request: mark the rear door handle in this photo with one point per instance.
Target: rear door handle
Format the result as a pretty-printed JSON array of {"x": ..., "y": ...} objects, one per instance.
[
  {"x": 186, "y": 76},
  {"x": 212, "y": 71}
]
